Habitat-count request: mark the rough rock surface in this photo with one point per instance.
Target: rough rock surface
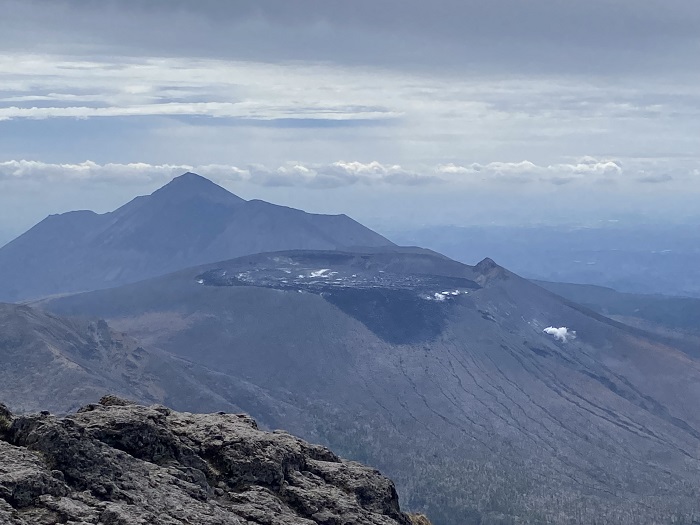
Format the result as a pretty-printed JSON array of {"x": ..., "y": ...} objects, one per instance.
[{"x": 118, "y": 463}]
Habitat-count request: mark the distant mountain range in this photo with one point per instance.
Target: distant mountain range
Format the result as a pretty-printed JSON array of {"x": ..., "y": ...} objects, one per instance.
[
  {"x": 629, "y": 256},
  {"x": 189, "y": 221},
  {"x": 487, "y": 398}
]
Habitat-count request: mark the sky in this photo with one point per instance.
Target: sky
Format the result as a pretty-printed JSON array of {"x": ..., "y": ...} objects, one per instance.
[{"x": 396, "y": 112}]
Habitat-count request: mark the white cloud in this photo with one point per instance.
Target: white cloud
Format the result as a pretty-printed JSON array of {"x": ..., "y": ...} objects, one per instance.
[
  {"x": 121, "y": 87},
  {"x": 137, "y": 172},
  {"x": 242, "y": 110},
  {"x": 338, "y": 174},
  {"x": 412, "y": 122},
  {"x": 535, "y": 124},
  {"x": 525, "y": 171},
  {"x": 562, "y": 333},
  {"x": 375, "y": 171}
]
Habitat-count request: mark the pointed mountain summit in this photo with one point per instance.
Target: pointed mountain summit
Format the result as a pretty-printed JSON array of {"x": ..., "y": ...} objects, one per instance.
[
  {"x": 187, "y": 222},
  {"x": 190, "y": 185},
  {"x": 488, "y": 270}
]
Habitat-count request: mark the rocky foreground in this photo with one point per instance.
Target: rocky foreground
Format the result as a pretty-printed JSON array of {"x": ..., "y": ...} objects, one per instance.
[{"x": 117, "y": 463}]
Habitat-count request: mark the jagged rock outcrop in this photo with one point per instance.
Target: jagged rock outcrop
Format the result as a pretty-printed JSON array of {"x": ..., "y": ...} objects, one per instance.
[{"x": 118, "y": 463}]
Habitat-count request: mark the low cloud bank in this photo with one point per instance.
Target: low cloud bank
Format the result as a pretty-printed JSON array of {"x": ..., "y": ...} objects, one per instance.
[
  {"x": 329, "y": 175},
  {"x": 526, "y": 171}
]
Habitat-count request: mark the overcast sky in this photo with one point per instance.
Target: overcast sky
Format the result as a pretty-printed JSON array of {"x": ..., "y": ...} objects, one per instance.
[{"x": 393, "y": 111}]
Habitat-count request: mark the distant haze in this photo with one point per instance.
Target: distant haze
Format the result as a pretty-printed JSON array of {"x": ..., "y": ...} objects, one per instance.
[{"x": 642, "y": 258}]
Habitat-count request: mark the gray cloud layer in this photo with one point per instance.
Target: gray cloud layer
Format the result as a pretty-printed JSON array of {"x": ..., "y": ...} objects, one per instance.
[{"x": 610, "y": 36}]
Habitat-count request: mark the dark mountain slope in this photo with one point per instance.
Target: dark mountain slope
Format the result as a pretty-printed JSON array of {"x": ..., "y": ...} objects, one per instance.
[
  {"x": 444, "y": 375},
  {"x": 189, "y": 221},
  {"x": 56, "y": 363},
  {"x": 49, "y": 362}
]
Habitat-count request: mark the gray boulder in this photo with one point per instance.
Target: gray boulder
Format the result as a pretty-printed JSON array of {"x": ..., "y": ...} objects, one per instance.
[{"x": 118, "y": 463}]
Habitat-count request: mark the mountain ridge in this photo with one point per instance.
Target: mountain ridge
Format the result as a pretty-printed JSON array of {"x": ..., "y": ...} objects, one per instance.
[
  {"x": 432, "y": 370},
  {"x": 188, "y": 221},
  {"x": 453, "y": 365}
]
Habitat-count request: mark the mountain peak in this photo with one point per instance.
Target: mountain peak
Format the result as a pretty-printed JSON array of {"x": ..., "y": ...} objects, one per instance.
[
  {"x": 188, "y": 222},
  {"x": 486, "y": 265},
  {"x": 190, "y": 185},
  {"x": 488, "y": 270},
  {"x": 190, "y": 178}
]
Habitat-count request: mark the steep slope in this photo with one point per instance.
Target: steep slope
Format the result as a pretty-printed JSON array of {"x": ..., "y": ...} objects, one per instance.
[
  {"x": 189, "y": 221},
  {"x": 56, "y": 363},
  {"x": 119, "y": 463},
  {"x": 466, "y": 384},
  {"x": 49, "y": 362}
]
